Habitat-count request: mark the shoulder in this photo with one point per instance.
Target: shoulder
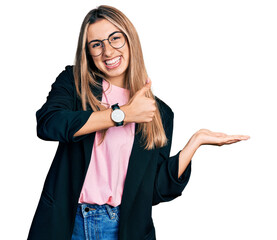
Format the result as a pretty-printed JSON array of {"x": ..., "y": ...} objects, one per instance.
[
  {"x": 165, "y": 111},
  {"x": 65, "y": 78},
  {"x": 67, "y": 74}
]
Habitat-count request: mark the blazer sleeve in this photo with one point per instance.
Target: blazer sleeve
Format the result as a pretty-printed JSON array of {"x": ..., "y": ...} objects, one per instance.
[
  {"x": 167, "y": 184},
  {"x": 56, "y": 119}
]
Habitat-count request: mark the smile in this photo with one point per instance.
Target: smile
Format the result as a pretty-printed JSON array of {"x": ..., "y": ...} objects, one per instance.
[{"x": 113, "y": 63}]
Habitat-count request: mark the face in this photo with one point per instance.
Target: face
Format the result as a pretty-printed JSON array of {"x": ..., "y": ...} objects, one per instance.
[{"x": 112, "y": 62}]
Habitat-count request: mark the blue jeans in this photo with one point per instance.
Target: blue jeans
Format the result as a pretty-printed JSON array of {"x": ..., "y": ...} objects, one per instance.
[{"x": 96, "y": 222}]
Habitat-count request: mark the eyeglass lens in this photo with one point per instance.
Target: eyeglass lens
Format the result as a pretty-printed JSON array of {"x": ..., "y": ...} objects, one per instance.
[{"x": 116, "y": 40}]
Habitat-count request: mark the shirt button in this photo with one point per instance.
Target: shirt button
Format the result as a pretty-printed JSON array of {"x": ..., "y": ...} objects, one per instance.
[{"x": 87, "y": 209}]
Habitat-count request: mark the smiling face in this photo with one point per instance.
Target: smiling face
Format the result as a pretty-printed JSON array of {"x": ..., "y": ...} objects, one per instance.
[{"x": 112, "y": 62}]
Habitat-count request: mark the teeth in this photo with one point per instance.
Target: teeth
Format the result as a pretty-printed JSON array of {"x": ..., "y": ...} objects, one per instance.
[{"x": 113, "y": 61}]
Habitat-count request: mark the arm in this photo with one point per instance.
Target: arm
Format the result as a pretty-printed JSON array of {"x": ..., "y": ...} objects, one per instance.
[
  {"x": 139, "y": 109},
  {"x": 56, "y": 119},
  {"x": 174, "y": 172},
  {"x": 168, "y": 182},
  {"x": 101, "y": 120},
  {"x": 186, "y": 154}
]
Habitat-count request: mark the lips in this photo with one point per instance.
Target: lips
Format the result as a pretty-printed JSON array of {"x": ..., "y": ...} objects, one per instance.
[{"x": 113, "y": 63}]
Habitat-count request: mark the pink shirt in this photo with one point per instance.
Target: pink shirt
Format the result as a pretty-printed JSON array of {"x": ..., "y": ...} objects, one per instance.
[{"x": 107, "y": 170}]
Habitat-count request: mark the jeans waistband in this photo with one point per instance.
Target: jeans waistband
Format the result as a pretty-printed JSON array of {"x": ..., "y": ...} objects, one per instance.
[{"x": 88, "y": 209}]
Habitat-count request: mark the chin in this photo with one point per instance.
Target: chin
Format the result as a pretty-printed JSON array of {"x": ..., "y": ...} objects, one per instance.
[
  {"x": 113, "y": 73},
  {"x": 108, "y": 75}
]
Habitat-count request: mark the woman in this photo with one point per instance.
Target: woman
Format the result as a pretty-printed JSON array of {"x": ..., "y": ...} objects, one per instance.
[{"x": 112, "y": 163}]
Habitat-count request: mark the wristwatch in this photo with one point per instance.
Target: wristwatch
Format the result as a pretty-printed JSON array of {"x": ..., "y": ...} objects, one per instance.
[{"x": 117, "y": 115}]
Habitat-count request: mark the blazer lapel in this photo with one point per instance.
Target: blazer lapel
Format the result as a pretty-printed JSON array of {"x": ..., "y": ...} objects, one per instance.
[{"x": 138, "y": 162}]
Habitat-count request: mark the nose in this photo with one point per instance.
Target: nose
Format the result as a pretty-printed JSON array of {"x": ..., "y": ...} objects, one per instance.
[{"x": 107, "y": 49}]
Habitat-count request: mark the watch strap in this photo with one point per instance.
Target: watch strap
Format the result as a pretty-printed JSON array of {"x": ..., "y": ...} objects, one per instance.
[{"x": 116, "y": 106}]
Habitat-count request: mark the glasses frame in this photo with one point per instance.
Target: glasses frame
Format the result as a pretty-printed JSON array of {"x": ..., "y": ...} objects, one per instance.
[{"x": 103, "y": 45}]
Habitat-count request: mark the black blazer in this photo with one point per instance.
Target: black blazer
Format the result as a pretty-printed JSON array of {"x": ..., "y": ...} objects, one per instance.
[{"x": 152, "y": 176}]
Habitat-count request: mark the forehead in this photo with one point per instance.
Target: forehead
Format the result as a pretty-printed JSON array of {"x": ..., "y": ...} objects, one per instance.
[{"x": 101, "y": 29}]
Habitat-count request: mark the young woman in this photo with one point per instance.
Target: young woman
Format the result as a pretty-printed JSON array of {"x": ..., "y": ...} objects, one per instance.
[{"x": 112, "y": 163}]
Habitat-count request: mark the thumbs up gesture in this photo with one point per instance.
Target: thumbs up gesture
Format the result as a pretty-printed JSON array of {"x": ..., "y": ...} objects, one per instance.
[{"x": 140, "y": 108}]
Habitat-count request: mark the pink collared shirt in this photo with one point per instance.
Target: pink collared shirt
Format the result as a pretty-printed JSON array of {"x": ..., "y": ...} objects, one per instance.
[{"x": 107, "y": 170}]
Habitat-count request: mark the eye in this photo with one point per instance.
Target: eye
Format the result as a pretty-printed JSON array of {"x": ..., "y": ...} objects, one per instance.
[
  {"x": 95, "y": 45},
  {"x": 115, "y": 38}
]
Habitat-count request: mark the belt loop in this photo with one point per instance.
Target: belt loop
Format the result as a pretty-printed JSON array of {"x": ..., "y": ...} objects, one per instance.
[{"x": 110, "y": 212}]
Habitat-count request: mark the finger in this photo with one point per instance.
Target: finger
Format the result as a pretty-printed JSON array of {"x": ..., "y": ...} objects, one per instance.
[
  {"x": 148, "y": 82},
  {"x": 233, "y": 141},
  {"x": 230, "y": 142},
  {"x": 145, "y": 88},
  {"x": 242, "y": 137},
  {"x": 237, "y": 137}
]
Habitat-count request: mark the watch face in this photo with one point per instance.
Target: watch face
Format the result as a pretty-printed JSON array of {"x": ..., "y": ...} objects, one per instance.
[{"x": 118, "y": 115}]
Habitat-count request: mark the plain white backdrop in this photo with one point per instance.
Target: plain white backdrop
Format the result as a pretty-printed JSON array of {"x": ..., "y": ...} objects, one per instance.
[{"x": 213, "y": 62}]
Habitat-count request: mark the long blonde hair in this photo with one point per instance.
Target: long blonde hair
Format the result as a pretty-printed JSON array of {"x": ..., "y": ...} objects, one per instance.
[{"x": 86, "y": 73}]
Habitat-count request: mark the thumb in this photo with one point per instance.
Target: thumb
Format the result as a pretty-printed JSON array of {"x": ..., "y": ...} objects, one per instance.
[{"x": 146, "y": 87}]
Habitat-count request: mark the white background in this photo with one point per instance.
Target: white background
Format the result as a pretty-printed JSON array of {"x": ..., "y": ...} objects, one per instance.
[{"x": 218, "y": 61}]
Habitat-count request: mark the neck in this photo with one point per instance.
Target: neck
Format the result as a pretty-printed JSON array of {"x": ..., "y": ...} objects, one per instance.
[{"x": 118, "y": 81}]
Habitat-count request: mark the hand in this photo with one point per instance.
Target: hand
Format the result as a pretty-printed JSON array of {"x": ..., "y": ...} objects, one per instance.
[
  {"x": 140, "y": 108},
  {"x": 205, "y": 136}
]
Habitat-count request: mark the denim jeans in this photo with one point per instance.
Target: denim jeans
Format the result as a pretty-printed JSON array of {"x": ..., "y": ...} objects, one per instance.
[{"x": 96, "y": 222}]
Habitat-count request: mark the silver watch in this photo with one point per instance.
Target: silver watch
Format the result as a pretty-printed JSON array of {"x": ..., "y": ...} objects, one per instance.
[{"x": 117, "y": 115}]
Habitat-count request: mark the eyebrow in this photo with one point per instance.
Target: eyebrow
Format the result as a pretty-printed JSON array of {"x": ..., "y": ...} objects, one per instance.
[{"x": 97, "y": 40}]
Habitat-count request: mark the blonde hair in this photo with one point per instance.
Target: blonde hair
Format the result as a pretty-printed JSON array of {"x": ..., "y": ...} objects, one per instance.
[{"x": 86, "y": 73}]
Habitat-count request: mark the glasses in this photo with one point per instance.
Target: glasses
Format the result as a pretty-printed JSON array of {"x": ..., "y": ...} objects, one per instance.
[{"x": 116, "y": 40}]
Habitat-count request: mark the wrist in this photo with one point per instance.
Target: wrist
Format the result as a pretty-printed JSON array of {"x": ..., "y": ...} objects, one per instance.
[
  {"x": 196, "y": 140},
  {"x": 126, "y": 109}
]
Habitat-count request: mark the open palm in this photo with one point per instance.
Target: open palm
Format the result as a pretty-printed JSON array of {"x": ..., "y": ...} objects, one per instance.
[{"x": 206, "y": 136}]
